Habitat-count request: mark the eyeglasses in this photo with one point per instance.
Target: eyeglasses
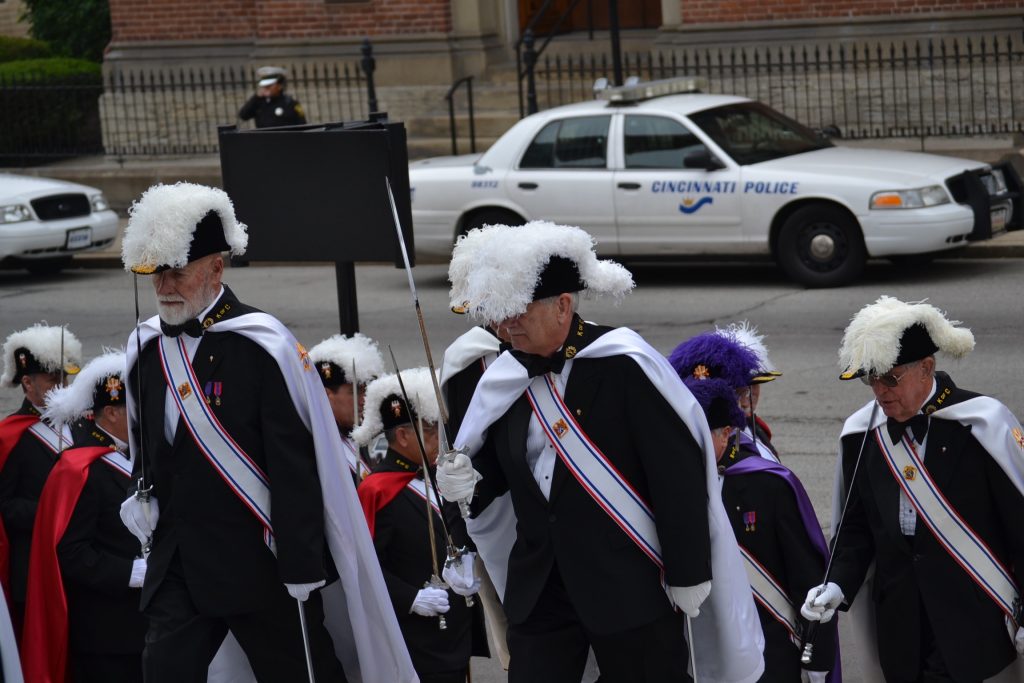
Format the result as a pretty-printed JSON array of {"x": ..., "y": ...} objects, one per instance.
[{"x": 887, "y": 380}]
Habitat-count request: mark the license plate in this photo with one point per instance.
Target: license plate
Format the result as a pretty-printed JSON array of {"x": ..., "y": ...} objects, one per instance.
[{"x": 79, "y": 238}]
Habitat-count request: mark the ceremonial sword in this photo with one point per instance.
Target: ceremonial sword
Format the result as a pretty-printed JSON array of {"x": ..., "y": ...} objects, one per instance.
[
  {"x": 452, "y": 552},
  {"x": 808, "y": 651},
  {"x": 142, "y": 491},
  {"x": 417, "y": 428},
  {"x": 446, "y": 452}
]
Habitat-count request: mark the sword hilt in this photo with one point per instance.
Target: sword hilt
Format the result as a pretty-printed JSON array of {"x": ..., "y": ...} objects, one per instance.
[{"x": 807, "y": 654}]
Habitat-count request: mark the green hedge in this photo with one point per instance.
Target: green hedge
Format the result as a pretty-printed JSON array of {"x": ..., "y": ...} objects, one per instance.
[
  {"x": 49, "y": 108},
  {"x": 12, "y": 48}
]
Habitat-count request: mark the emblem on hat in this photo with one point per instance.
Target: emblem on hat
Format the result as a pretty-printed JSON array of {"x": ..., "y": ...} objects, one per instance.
[
  {"x": 113, "y": 387},
  {"x": 326, "y": 369},
  {"x": 23, "y": 359},
  {"x": 396, "y": 407},
  {"x": 701, "y": 372}
]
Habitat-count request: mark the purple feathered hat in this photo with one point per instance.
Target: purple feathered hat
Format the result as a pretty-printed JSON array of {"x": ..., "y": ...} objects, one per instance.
[
  {"x": 715, "y": 356},
  {"x": 718, "y": 400}
]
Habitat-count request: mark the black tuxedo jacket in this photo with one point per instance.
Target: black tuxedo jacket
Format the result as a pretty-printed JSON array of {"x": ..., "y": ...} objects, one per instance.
[
  {"x": 21, "y": 482},
  {"x": 778, "y": 540},
  {"x": 95, "y": 556},
  {"x": 613, "y": 586},
  {"x": 403, "y": 548},
  {"x": 915, "y": 573},
  {"x": 227, "y": 565}
]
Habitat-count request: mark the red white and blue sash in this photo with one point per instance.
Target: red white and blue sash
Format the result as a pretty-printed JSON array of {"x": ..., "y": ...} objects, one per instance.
[
  {"x": 770, "y": 595},
  {"x": 243, "y": 476},
  {"x": 355, "y": 463},
  {"x": 593, "y": 470},
  {"x": 53, "y": 440},
  {"x": 952, "y": 532},
  {"x": 419, "y": 487}
]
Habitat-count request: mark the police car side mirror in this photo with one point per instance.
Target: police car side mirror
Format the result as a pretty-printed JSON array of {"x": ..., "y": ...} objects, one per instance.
[
  {"x": 702, "y": 158},
  {"x": 830, "y": 131}
]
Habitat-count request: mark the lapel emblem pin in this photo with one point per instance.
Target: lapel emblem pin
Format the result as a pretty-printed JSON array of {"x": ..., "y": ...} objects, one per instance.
[
  {"x": 184, "y": 390},
  {"x": 910, "y": 473},
  {"x": 560, "y": 428}
]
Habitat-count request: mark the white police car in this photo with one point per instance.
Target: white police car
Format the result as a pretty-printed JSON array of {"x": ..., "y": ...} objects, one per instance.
[
  {"x": 44, "y": 222},
  {"x": 652, "y": 172}
]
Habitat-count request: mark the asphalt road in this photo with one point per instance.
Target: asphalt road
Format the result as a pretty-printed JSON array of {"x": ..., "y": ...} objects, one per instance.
[{"x": 803, "y": 328}]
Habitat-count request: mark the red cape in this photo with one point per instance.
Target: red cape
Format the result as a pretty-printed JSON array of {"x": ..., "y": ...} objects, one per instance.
[
  {"x": 379, "y": 489},
  {"x": 763, "y": 425},
  {"x": 11, "y": 429},
  {"x": 44, "y": 649}
]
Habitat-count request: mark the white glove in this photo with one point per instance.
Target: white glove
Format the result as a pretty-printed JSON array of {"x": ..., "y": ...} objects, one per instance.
[
  {"x": 813, "y": 676},
  {"x": 689, "y": 598},
  {"x": 821, "y": 602},
  {"x": 301, "y": 591},
  {"x": 140, "y": 517},
  {"x": 456, "y": 478},
  {"x": 430, "y": 602},
  {"x": 138, "y": 573},
  {"x": 458, "y": 574},
  {"x": 1018, "y": 641}
]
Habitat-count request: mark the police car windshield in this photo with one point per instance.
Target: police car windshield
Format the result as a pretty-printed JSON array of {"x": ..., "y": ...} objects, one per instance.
[{"x": 750, "y": 132}]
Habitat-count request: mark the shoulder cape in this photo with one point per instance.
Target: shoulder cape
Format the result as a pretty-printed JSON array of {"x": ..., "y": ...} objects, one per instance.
[
  {"x": 466, "y": 350},
  {"x": 11, "y": 430},
  {"x": 45, "y": 639},
  {"x": 727, "y": 633},
  {"x": 379, "y": 489},
  {"x": 359, "y": 613}
]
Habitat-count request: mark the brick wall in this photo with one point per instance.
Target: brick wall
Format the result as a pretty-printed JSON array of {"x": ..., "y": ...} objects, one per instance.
[
  {"x": 154, "y": 20},
  {"x": 715, "y": 11}
]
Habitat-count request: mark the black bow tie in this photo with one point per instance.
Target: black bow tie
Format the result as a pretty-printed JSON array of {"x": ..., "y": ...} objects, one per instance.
[
  {"x": 192, "y": 328},
  {"x": 918, "y": 425},
  {"x": 539, "y": 365}
]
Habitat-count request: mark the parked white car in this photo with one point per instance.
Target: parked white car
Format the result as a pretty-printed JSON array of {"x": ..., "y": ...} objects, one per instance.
[
  {"x": 653, "y": 173},
  {"x": 44, "y": 222}
]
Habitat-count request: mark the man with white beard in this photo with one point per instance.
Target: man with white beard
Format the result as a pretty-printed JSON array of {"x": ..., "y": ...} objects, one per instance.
[{"x": 234, "y": 435}]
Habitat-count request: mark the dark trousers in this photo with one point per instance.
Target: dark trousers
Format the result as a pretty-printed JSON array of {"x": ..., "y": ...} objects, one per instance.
[
  {"x": 443, "y": 677},
  {"x": 551, "y": 646},
  {"x": 181, "y": 642},
  {"x": 932, "y": 666},
  {"x": 88, "y": 667}
]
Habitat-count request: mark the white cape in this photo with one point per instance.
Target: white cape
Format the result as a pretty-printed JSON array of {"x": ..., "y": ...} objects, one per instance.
[
  {"x": 11, "y": 661},
  {"x": 358, "y": 610},
  {"x": 992, "y": 424},
  {"x": 727, "y": 634}
]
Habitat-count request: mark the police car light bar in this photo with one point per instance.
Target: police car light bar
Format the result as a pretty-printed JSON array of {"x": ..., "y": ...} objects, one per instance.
[{"x": 638, "y": 92}]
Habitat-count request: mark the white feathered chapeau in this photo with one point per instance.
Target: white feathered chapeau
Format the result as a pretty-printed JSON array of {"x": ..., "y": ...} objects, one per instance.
[
  {"x": 421, "y": 395},
  {"x": 44, "y": 341},
  {"x": 65, "y": 405},
  {"x": 345, "y": 351}
]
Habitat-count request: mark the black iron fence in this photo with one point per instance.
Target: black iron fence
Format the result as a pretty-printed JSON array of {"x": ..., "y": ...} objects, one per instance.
[
  {"x": 156, "y": 112},
  {"x": 933, "y": 87}
]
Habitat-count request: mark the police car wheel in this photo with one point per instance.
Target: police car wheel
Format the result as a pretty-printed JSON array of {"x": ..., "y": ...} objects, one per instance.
[
  {"x": 484, "y": 217},
  {"x": 821, "y": 246},
  {"x": 48, "y": 266}
]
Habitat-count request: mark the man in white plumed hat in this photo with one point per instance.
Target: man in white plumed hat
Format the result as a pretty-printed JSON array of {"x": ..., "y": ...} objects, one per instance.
[
  {"x": 609, "y": 463},
  {"x": 346, "y": 365},
  {"x": 36, "y": 360},
  {"x": 936, "y": 504},
  {"x": 252, "y": 507}
]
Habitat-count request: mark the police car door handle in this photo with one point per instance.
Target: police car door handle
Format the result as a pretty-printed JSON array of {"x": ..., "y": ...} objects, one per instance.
[
  {"x": 629, "y": 186},
  {"x": 527, "y": 186}
]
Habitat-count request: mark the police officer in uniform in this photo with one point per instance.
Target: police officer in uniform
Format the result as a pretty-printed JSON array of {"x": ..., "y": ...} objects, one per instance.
[
  {"x": 394, "y": 499},
  {"x": 29, "y": 448},
  {"x": 270, "y": 106}
]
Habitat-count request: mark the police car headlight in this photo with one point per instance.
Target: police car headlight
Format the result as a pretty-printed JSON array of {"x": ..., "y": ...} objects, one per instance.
[
  {"x": 15, "y": 213},
  {"x": 932, "y": 195},
  {"x": 99, "y": 202}
]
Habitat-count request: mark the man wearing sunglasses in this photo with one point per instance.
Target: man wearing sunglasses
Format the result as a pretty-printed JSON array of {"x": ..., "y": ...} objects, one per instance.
[{"x": 936, "y": 499}]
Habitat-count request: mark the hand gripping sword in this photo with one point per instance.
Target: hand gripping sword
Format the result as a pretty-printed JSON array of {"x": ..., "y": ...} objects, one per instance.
[
  {"x": 812, "y": 626},
  {"x": 453, "y": 553},
  {"x": 446, "y": 452}
]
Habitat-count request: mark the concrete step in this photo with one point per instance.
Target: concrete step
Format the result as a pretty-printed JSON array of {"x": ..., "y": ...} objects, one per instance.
[{"x": 486, "y": 123}]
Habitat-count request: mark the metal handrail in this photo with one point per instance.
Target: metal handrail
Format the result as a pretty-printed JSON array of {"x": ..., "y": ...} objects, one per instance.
[
  {"x": 450, "y": 96},
  {"x": 528, "y": 33}
]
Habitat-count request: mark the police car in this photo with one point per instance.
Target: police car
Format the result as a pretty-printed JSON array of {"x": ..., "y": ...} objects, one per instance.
[
  {"x": 44, "y": 222},
  {"x": 660, "y": 169}
]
